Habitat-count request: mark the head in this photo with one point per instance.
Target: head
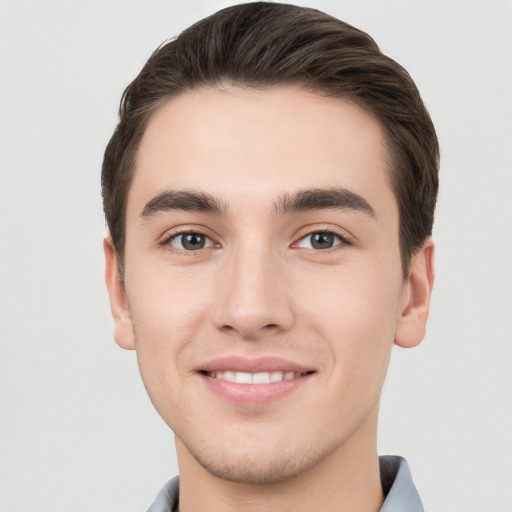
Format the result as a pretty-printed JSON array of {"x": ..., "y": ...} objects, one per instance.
[
  {"x": 262, "y": 45},
  {"x": 269, "y": 192}
]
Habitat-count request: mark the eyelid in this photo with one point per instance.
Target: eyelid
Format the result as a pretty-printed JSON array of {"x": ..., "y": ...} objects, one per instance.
[
  {"x": 345, "y": 237},
  {"x": 208, "y": 241},
  {"x": 173, "y": 233},
  {"x": 337, "y": 241}
]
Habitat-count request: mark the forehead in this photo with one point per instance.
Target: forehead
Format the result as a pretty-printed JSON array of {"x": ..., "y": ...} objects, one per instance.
[{"x": 250, "y": 146}]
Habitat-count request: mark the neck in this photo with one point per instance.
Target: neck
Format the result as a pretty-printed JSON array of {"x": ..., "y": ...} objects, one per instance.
[{"x": 347, "y": 479}]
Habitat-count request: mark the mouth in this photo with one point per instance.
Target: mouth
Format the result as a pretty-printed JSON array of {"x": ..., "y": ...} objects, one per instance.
[
  {"x": 267, "y": 377},
  {"x": 253, "y": 382}
]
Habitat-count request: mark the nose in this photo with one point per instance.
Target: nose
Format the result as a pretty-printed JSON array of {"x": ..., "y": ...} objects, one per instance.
[{"x": 253, "y": 300}]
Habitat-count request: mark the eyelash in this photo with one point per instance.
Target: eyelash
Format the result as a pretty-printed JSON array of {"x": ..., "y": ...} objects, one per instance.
[
  {"x": 167, "y": 241},
  {"x": 344, "y": 240}
]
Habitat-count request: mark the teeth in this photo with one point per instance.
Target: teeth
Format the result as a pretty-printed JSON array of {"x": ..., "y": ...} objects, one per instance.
[
  {"x": 226, "y": 376},
  {"x": 254, "y": 378},
  {"x": 261, "y": 378},
  {"x": 276, "y": 376},
  {"x": 243, "y": 378}
]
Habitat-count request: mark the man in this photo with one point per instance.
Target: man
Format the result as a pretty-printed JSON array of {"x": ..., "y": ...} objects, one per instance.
[{"x": 270, "y": 192}]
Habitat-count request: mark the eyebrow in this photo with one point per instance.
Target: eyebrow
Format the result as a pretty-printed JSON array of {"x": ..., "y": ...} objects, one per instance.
[
  {"x": 323, "y": 198},
  {"x": 303, "y": 200},
  {"x": 182, "y": 200}
]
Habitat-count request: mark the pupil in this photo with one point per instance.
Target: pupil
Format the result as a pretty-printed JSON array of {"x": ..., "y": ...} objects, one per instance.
[
  {"x": 322, "y": 240},
  {"x": 193, "y": 241}
]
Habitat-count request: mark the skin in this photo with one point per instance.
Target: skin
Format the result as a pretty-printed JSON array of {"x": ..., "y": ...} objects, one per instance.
[{"x": 259, "y": 288}]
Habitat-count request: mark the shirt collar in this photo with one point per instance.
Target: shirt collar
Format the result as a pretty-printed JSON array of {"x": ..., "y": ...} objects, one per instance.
[
  {"x": 395, "y": 476},
  {"x": 401, "y": 494}
]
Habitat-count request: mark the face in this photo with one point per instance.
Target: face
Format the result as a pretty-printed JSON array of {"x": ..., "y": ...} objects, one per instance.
[{"x": 263, "y": 284}]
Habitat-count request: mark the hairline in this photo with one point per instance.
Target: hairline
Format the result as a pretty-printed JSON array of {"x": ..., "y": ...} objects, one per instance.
[{"x": 227, "y": 85}]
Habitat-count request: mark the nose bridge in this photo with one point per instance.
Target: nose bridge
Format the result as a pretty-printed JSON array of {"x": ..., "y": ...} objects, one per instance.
[{"x": 253, "y": 299}]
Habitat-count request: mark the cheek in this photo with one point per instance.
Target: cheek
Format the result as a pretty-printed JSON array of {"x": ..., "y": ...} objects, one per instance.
[
  {"x": 363, "y": 299},
  {"x": 165, "y": 305},
  {"x": 355, "y": 313},
  {"x": 167, "y": 313}
]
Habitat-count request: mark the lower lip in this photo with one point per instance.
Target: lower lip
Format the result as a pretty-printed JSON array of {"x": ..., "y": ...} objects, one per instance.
[{"x": 253, "y": 394}]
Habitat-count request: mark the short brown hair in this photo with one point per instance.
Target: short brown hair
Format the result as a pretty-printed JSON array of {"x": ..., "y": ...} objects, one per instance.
[{"x": 266, "y": 44}]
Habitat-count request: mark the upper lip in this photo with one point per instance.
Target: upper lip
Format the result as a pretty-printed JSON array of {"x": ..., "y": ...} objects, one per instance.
[{"x": 249, "y": 365}]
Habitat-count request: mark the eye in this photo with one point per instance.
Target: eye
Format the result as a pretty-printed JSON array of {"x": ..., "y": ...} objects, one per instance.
[
  {"x": 190, "y": 241},
  {"x": 320, "y": 240}
]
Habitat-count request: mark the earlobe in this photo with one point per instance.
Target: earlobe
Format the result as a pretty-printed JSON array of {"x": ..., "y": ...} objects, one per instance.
[
  {"x": 411, "y": 325},
  {"x": 123, "y": 327}
]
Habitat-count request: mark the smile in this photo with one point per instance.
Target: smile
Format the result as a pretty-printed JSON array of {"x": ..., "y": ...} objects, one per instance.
[
  {"x": 253, "y": 382},
  {"x": 255, "y": 378}
]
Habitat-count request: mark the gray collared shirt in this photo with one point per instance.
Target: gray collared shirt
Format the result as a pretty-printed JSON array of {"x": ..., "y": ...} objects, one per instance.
[{"x": 395, "y": 476}]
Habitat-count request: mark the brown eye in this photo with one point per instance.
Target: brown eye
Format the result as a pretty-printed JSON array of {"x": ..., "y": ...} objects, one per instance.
[{"x": 191, "y": 241}]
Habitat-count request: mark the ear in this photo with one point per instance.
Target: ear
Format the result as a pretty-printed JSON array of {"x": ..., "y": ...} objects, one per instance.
[
  {"x": 123, "y": 327},
  {"x": 412, "y": 322}
]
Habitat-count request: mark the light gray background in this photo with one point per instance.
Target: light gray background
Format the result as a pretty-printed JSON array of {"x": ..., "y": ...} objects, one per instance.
[{"x": 77, "y": 430}]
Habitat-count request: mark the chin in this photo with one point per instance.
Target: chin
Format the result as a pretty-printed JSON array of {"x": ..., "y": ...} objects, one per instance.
[
  {"x": 258, "y": 467},
  {"x": 247, "y": 470}
]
